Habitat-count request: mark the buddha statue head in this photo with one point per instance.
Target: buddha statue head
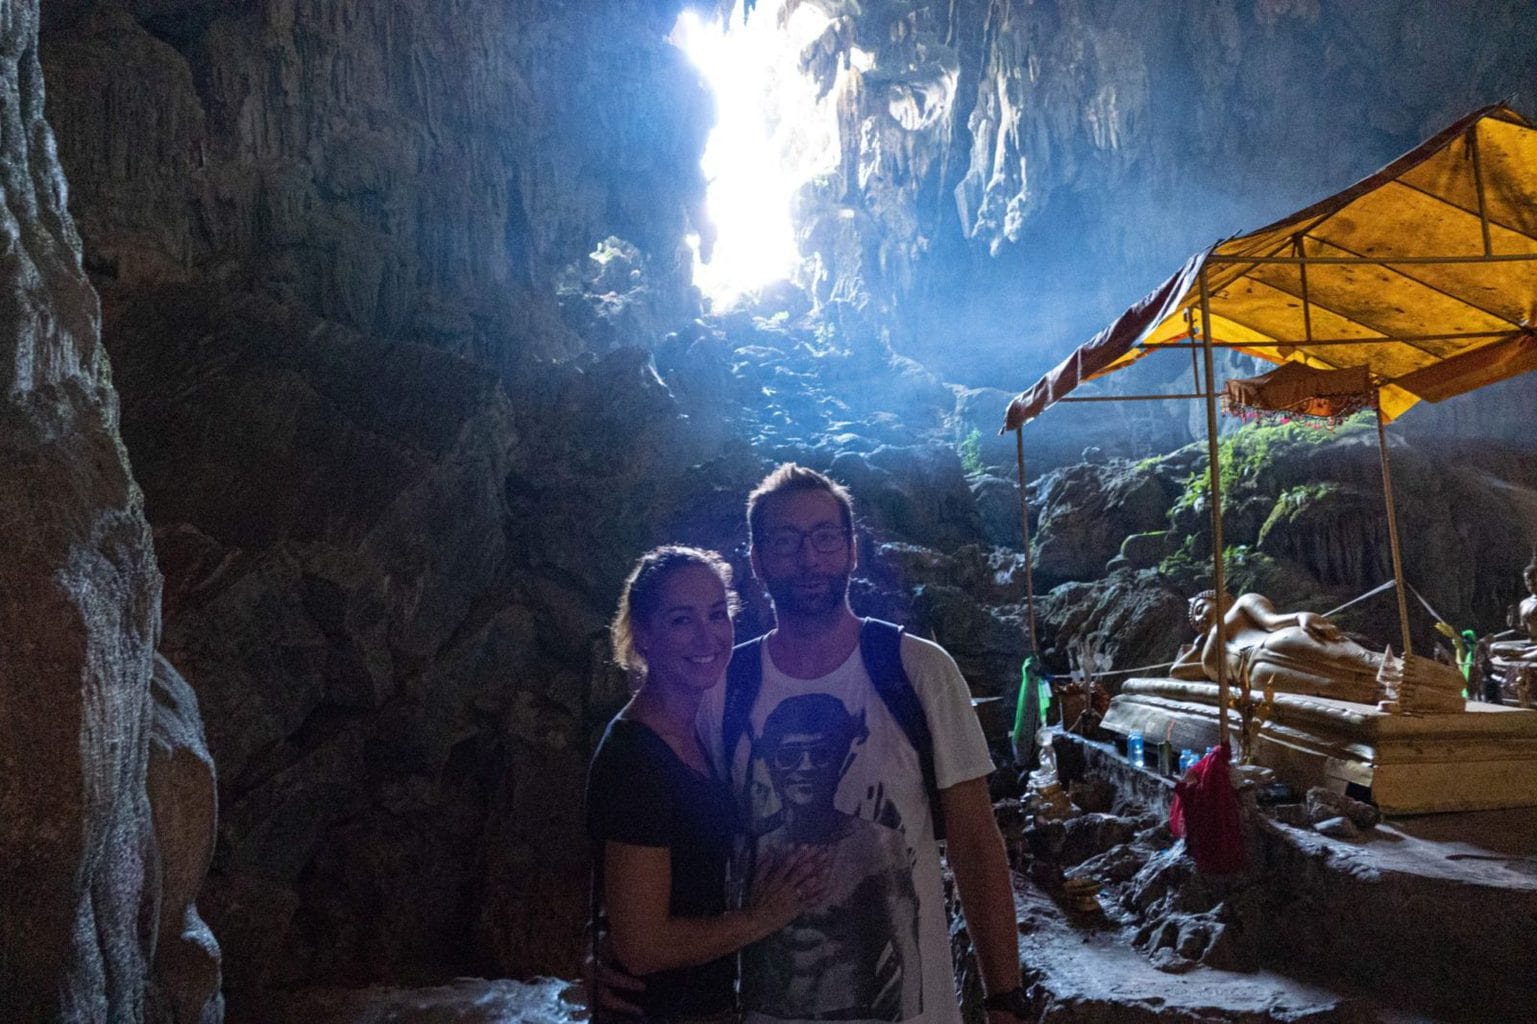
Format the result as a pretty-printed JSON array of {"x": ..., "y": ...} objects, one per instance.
[{"x": 1204, "y": 609}]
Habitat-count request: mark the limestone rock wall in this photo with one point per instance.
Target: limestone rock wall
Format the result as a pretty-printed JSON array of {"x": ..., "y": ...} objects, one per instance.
[
  {"x": 1048, "y": 162},
  {"x": 79, "y": 611},
  {"x": 331, "y": 239},
  {"x": 421, "y": 169},
  {"x": 333, "y": 526},
  {"x": 1119, "y": 543},
  {"x": 185, "y": 976}
]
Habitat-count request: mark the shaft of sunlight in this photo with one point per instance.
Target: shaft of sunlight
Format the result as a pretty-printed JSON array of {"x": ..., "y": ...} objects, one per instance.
[{"x": 771, "y": 136}]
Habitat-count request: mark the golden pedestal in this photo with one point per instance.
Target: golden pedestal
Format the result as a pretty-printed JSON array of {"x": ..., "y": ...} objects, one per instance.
[{"x": 1481, "y": 759}]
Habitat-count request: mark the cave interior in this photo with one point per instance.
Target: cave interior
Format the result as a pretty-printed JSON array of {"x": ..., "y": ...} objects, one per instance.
[{"x": 356, "y": 348}]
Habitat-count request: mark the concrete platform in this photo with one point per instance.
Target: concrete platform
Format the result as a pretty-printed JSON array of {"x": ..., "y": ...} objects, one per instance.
[{"x": 1481, "y": 759}]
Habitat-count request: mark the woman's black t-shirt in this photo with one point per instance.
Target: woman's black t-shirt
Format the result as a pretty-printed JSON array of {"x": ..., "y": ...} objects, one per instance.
[{"x": 640, "y": 792}]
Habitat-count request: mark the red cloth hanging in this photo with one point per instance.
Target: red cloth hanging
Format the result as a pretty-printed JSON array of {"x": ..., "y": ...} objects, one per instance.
[{"x": 1205, "y": 812}]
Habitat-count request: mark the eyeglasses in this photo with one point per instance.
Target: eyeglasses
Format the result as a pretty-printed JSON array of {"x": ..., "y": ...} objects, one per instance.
[
  {"x": 825, "y": 540},
  {"x": 789, "y": 756}
]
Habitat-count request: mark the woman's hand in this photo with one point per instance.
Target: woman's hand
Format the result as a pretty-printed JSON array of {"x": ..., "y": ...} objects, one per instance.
[
  {"x": 789, "y": 885},
  {"x": 648, "y": 937}
]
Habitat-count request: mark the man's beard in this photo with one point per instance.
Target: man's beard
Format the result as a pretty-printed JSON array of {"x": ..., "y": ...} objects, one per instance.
[{"x": 789, "y": 599}]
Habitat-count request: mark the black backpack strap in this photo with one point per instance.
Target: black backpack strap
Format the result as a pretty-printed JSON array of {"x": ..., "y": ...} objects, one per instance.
[
  {"x": 744, "y": 678},
  {"x": 880, "y": 646}
]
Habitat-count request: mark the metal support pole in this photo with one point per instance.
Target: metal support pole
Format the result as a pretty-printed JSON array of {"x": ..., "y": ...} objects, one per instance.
[
  {"x": 1302, "y": 275},
  {"x": 1024, "y": 529},
  {"x": 1218, "y": 260},
  {"x": 1195, "y": 366},
  {"x": 1215, "y": 476},
  {"x": 1478, "y": 186},
  {"x": 1398, "y": 559}
]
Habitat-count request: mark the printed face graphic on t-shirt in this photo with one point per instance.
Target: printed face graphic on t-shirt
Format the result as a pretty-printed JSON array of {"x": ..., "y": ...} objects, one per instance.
[
  {"x": 826, "y": 762},
  {"x": 805, "y": 769},
  {"x": 805, "y": 748},
  {"x": 856, "y": 956}
]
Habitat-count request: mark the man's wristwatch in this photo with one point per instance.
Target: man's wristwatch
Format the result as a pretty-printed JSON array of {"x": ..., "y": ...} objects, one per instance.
[{"x": 1014, "y": 1002}]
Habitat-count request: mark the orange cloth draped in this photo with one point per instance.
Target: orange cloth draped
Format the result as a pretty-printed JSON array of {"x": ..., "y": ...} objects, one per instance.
[{"x": 1298, "y": 390}]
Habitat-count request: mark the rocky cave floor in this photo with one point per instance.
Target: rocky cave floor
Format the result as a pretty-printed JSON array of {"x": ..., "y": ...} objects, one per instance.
[{"x": 1340, "y": 916}]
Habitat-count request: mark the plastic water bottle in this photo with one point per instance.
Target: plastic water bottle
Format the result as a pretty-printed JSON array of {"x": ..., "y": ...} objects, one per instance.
[
  {"x": 1187, "y": 760},
  {"x": 1134, "y": 748}
]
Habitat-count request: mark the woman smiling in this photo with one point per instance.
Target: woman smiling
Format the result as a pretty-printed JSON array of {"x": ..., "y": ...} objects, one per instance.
[{"x": 661, "y": 822}]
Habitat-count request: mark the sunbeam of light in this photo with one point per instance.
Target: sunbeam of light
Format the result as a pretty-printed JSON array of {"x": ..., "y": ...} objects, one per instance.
[{"x": 771, "y": 136}]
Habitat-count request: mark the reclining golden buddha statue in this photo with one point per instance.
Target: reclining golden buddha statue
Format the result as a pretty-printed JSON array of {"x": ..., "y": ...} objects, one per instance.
[
  {"x": 1306, "y": 654},
  {"x": 1290, "y": 652}
]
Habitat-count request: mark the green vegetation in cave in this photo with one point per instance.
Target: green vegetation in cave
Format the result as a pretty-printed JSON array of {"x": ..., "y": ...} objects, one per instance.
[{"x": 1248, "y": 454}]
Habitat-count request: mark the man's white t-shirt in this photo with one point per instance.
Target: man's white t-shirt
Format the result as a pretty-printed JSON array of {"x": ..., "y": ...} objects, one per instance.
[{"x": 878, "y": 947}]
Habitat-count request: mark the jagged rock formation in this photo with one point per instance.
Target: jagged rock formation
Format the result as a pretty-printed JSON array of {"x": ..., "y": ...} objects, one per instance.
[
  {"x": 1319, "y": 901},
  {"x": 1304, "y": 522},
  {"x": 184, "y": 982},
  {"x": 291, "y": 212},
  {"x": 380, "y": 671},
  {"x": 404, "y": 169},
  {"x": 1088, "y": 511},
  {"x": 1045, "y": 164},
  {"x": 100, "y": 839},
  {"x": 465, "y": 1001}
]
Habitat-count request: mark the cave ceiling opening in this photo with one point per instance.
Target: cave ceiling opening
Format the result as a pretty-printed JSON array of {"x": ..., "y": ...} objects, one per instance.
[{"x": 775, "y": 133}]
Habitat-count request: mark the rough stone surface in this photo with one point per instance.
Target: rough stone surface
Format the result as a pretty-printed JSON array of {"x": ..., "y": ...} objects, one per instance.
[
  {"x": 1087, "y": 511},
  {"x": 1308, "y": 506},
  {"x": 1080, "y": 970},
  {"x": 465, "y": 1001},
  {"x": 1338, "y": 828},
  {"x": 79, "y": 611},
  {"x": 185, "y": 975},
  {"x": 1137, "y": 619},
  {"x": 404, "y": 169},
  {"x": 1370, "y": 913},
  {"x": 995, "y": 150},
  {"x": 1323, "y": 804},
  {"x": 390, "y": 733},
  {"x": 1303, "y": 523}
]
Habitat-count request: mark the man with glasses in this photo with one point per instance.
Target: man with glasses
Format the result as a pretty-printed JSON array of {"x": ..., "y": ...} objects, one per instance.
[{"x": 807, "y": 781}]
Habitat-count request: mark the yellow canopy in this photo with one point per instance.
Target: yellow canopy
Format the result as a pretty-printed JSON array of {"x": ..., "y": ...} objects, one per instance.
[{"x": 1424, "y": 273}]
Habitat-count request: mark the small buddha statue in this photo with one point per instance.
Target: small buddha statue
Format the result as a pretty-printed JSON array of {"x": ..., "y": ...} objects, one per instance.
[
  {"x": 1522, "y": 618},
  {"x": 1514, "y": 661},
  {"x": 1289, "y": 652},
  {"x": 1525, "y": 617}
]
